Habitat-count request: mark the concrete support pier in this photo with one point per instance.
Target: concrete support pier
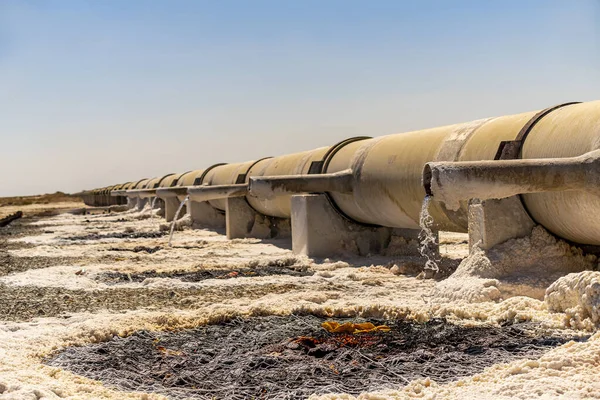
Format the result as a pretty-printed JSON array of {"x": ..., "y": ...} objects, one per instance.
[
  {"x": 141, "y": 203},
  {"x": 319, "y": 230},
  {"x": 132, "y": 202},
  {"x": 171, "y": 205},
  {"x": 244, "y": 222},
  {"x": 161, "y": 205},
  {"x": 493, "y": 221},
  {"x": 204, "y": 215}
]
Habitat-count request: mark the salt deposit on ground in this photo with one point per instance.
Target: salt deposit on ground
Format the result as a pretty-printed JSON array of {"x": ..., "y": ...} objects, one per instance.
[
  {"x": 38, "y": 208},
  {"x": 518, "y": 267},
  {"x": 64, "y": 304},
  {"x": 578, "y": 296}
]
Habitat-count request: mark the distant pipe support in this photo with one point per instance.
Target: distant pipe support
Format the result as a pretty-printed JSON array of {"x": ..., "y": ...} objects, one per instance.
[
  {"x": 272, "y": 186},
  {"x": 214, "y": 192},
  {"x": 116, "y": 193},
  {"x": 452, "y": 182}
]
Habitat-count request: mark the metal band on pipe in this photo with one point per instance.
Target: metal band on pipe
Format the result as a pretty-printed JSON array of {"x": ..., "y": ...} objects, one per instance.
[
  {"x": 511, "y": 149},
  {"x": 198, "y": 181}
]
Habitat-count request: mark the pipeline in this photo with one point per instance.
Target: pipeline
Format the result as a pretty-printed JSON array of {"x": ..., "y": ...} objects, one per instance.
[
  {"x": 172, "y": 192},
  {"x": 142, "y": 193},
  {"x": 379, "y": 181},
  {"x": 220, "y": 175},
  {"x": 233, "y": 180},
  {"x": 387, "y": 171},
  {"x": 285, "y": 185},
  {"x": 177, "y": 188},
  {"x": 215, "y": 192}
]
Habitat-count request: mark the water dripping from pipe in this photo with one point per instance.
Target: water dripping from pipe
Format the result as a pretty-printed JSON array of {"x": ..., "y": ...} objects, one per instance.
[
  {"x": 428, "y": 248},
  {"x": 152, "y": 205},
  {"x": 176, "y": 218}
]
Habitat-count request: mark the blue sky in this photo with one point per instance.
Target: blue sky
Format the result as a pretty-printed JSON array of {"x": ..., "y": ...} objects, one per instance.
[{"x": 102, "y": 92}]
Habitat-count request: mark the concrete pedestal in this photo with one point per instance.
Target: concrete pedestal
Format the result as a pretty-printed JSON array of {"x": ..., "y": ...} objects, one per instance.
[
  {"x": 242, "y": 221},
  {"x": 141, "y": 203},
  {"x": 160, "y": 204},
  {"x": 492, "y": 222},
  {"x": 171, "y": 206},
  {"x": 204, "y": 215},
  {"x": 132, "y": 202},
  {"x": 320, "y": 231}
]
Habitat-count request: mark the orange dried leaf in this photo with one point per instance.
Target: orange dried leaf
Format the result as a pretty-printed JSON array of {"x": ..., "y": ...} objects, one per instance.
[
  {"x": 364, "y": 327},
  {"x": 168, "y": 352},
  {"x": 349, "y": 327},
  {"x": 330, "y": 326}
]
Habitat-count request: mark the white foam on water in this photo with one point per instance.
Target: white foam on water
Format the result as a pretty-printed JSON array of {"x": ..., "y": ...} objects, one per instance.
[{"x": 152, "y": 206}]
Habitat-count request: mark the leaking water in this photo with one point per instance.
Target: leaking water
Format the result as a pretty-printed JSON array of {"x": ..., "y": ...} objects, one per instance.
[
  {"x": 428, "y": 248},
  {"x": 177, "y": 217},
  {"x": 152, "y": 205}
]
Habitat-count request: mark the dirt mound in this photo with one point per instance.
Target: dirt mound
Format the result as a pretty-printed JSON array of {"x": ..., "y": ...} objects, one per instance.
[{"x": 58, "y": 197}]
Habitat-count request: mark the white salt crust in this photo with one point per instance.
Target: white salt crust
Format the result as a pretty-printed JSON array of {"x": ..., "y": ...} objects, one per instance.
[{"x": 475, "y": 294}]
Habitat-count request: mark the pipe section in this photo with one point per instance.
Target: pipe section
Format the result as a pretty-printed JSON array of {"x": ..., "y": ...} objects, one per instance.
[
  {"x": 270, "y": 187},
  {"x": 170, "y": 180},
  {"x": 173, "y": 192},
  {"x": 386, "y": 172},
  {"x": 222, "y": 175},
  {"x": 142, "y": 193},
  {"x": 216, "y": 192},
  {"x": 166, "y": 186},
  {"x": 566, "y": 132},
  {"x": 179, "y": 187},
  {"x": 297, "y": 164},
  {"x": 232, "y": 180},
  {"x": 453, "y": 182}
]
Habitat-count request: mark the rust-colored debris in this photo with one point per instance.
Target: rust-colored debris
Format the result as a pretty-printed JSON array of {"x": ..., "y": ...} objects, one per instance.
[{"x": 352, "y": 328}]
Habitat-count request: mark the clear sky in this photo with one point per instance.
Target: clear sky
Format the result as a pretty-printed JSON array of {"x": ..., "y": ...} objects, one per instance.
[{"x": 94, "y": 93}]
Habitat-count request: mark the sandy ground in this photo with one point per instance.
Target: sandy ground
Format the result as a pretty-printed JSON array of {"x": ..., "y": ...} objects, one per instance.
[
  {"x": 40, "y": 208},
  {"x": 54, "y": 294}
]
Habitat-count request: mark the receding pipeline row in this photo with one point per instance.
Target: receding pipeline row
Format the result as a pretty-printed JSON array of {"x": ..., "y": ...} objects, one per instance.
[{"x": 379, "y": 181}]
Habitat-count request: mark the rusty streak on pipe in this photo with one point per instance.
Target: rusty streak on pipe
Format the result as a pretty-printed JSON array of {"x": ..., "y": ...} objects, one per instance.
[
  {"x": 272, "y": 186},
  {"x": 452, "y": 182},
  {"x": 214, "y": 192}
]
